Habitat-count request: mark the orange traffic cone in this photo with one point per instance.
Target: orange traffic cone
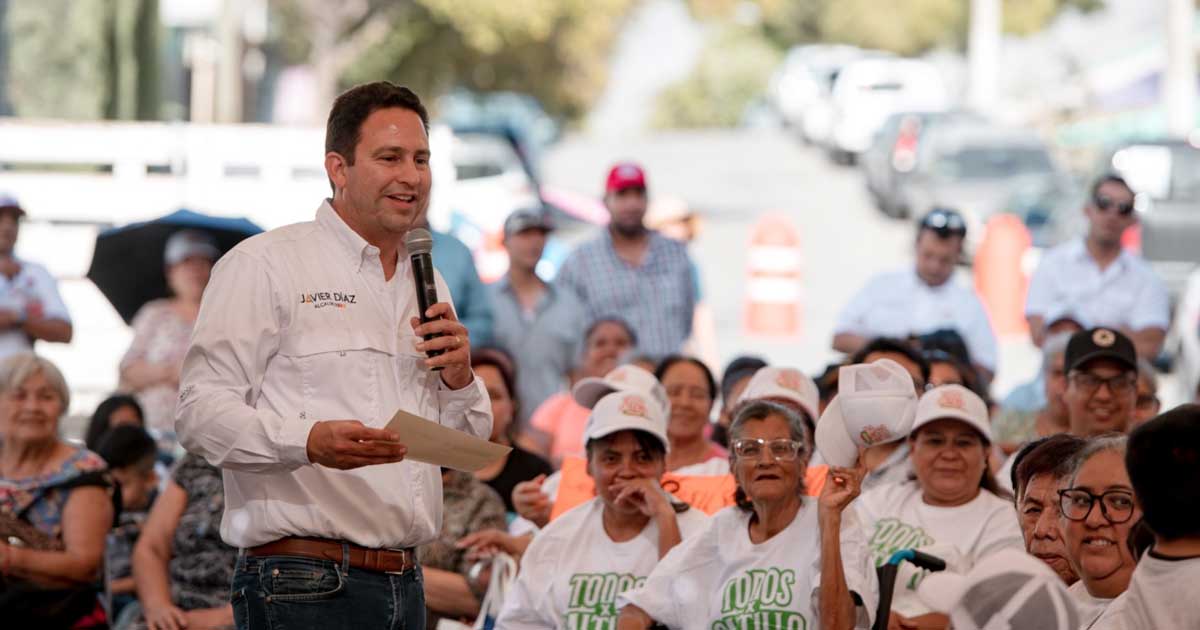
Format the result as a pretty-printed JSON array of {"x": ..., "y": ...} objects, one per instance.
[
  {"x": 999, "y": 279},
  {"x": 773, "y": 279}
]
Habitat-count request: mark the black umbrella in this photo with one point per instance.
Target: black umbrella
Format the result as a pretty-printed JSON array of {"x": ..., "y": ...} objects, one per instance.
[{"x": 128, "y": 266}]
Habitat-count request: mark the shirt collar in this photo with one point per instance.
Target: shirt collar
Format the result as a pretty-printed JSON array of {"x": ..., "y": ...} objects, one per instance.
[
  {"x": 1080, "y": 252},
  {"x": 350, "y": 242}
]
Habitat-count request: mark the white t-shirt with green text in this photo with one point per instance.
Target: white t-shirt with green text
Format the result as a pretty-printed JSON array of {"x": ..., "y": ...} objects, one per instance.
[
  {"x": 572, "y": 572},
  {"x": 720, "y": 580},
  {"x": 895, "y": 517}
]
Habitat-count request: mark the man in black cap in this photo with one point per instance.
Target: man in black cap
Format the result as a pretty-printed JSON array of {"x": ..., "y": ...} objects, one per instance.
[{"x": 1101, "y": 394}]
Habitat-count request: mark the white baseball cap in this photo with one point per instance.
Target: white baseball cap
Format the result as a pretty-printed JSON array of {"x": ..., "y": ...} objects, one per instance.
[
  {"x": 623, "y": 378},
  {"x": 623, "y": 411},
  {"x": 954, "y": 402},
  {"x": 786, "y": 383},
  {"x": 185, "y": 244},
  {"x": 1007, "y": 589},
  {"x": 875, "y": 404}
]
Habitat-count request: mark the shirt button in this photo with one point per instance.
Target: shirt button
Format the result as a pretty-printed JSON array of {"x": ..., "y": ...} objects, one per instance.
[{"x": 341, "y": 353}]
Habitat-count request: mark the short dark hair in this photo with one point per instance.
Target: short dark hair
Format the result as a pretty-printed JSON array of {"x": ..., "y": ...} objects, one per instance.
[
  {"x": 736, "y": 370},
  {"x": 503, "y": 362},
  {"x": 1053, "y": 455},
  {"x": 343, "y": 130},
  {"x": 893, "y": 345},
  {"x": 126, "y": 445},
  {"x": 1108, "y": 178},
  {"x": 674, "y": 359},
  {"x": 1163, "y": 459},
  {"x": 99, "y": 423}
]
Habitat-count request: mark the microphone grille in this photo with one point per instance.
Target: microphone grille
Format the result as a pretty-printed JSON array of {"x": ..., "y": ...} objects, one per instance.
[{"x": 418, "y": 241}]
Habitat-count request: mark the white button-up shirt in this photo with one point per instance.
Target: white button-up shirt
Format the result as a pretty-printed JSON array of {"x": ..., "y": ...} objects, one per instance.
[
  {"x": 32, "y": 288},
  {"x": 299, "y": 325},
  {"x": 899, "y": 304},
  {"x": 1127, "y": 294}
]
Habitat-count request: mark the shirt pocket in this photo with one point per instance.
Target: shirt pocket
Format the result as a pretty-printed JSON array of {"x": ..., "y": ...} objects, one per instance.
[{"x": 340, "y": 372}]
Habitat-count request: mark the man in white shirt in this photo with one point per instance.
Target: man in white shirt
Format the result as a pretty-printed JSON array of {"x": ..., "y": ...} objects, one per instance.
[
  {"x": 1162, "y": 457},
  {"x": 30, "y": 306},
  {"x": 922, "y": 300},
  {"x": 1098, "y": 280},
  {"x": 307, "y": 342}
]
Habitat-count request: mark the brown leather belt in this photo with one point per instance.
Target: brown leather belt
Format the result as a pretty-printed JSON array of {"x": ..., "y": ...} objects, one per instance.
[{"x": 383, "y": 560}]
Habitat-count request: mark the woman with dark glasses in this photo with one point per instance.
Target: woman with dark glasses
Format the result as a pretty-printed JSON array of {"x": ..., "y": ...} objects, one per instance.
[{"x": 1098, "y": 511}]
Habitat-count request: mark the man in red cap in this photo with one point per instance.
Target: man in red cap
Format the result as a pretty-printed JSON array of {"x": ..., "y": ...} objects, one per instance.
[{"x": 632, "y": 272}]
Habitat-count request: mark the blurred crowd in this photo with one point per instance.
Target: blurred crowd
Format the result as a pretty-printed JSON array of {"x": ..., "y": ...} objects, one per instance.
[{"x": 644, "y": 485}]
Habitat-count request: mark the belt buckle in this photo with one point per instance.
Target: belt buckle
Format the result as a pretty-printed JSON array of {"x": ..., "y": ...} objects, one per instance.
[{"x": 409, "y": 556}]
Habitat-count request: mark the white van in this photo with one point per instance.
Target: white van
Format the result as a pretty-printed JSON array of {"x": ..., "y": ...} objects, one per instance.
[{"x": 869, "y": 90}]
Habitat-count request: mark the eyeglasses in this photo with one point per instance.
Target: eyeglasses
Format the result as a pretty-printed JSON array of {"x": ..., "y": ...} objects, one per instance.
[
  {"x": 1116, "y": 505},
  {"x": 1108, "y": 204},
  {"x": 1089, "y": 384},
  {"x": 781, "y": 449},
  {"x": 945, "y": 223}
]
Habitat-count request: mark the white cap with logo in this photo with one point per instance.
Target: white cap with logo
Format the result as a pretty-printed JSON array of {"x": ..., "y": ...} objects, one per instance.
[
  {"x": 1007, "y": 589},
  {"x": 954, "y": 402},
  {"x": 786, "y": 383},
  {"x": 624, "y": 411},
  {"x": 875, "y": 404},
  {"x": 624, "y": 378}
]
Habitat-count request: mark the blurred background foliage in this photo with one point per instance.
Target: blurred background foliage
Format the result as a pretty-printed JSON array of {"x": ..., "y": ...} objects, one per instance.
[{"x": 88, "y": 59}]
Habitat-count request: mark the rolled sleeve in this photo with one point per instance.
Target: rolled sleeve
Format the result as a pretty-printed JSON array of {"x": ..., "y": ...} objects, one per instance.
[{"x": 237, "y": 333}]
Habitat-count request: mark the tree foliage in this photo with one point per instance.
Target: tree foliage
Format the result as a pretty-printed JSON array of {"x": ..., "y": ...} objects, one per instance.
[
  {"x": 83, "y": 59},
  {"x": 729, "y": 75},
  {"x": 556, "y": 50}
]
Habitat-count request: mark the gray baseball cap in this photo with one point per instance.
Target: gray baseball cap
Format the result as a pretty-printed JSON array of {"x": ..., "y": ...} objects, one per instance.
[
  {"x": 185, "y": 244},
  {"x": 527, "y": 219}
]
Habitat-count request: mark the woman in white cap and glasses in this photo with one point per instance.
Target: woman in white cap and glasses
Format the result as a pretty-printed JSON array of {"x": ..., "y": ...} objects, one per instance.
[
  {"x": 953, "y": 508},
  {"x": 162, "y": 329},
  {"x": 576, "y": 567},
  {"x": 778, "y": 559}
]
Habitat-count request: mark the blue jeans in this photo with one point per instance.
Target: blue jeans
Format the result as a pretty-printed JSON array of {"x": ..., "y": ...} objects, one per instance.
[{"x": 278, "y": 592}]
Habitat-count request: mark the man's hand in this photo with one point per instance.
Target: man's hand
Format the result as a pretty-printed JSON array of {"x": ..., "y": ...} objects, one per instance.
[
  {"x": 530, "y": 502},
  {"x": 346, "y": 444},
  {"x": 455, "y": 361}
]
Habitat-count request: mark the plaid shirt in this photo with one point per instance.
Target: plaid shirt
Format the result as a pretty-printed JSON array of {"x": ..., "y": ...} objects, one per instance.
[{"x": 656, "y": 298}]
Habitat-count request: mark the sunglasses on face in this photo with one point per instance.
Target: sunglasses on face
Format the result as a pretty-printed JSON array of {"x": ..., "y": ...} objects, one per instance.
[
  {"x": 1108, "y": 204},
  {"x": 945, "y": 223}
]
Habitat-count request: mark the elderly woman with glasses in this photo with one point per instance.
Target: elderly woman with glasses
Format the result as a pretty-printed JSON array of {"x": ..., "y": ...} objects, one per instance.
[
  {"x": 778, "y": 559},
  {"x": 1098, "y": 512}
]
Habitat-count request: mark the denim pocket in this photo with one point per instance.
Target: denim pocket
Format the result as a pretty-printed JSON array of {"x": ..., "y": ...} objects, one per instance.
[{"x": 299, "y": 579}]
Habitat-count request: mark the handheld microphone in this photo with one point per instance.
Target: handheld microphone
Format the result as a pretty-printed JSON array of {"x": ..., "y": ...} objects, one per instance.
[{"x": 419, "y": 243}]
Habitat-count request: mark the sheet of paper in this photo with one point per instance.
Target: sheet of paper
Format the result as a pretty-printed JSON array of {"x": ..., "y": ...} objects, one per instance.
[{"x": 432, "y": 443}]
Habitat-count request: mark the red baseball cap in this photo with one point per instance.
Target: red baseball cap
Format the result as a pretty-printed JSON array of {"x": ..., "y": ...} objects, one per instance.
[{"x": 625, "y": 175}]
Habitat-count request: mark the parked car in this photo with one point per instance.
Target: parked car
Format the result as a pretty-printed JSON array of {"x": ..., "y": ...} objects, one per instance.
[
  {"x": 491, "y": 175},
  {"x": 981, "y": 170},
  {"x": 869, "y": 90},
  {"x": 802, "y": 78},
  {"x": 1166, "y": 176},
  {"x": 816, "y": 120},
  {"x": 893, "y": 152}
]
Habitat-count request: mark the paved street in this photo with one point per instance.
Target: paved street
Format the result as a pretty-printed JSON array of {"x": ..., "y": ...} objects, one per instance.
[{"x": 733, "y": 178}]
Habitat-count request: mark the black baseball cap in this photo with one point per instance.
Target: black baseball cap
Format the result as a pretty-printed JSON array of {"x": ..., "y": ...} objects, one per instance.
[{"x": 1100, "y": 343}]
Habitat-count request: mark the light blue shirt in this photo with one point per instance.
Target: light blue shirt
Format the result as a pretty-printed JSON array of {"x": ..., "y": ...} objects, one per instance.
[{"x": 471, "y": 302}]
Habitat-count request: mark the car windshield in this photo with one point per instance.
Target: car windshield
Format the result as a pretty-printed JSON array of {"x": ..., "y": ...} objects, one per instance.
[{"x": 992, "y": 162}]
